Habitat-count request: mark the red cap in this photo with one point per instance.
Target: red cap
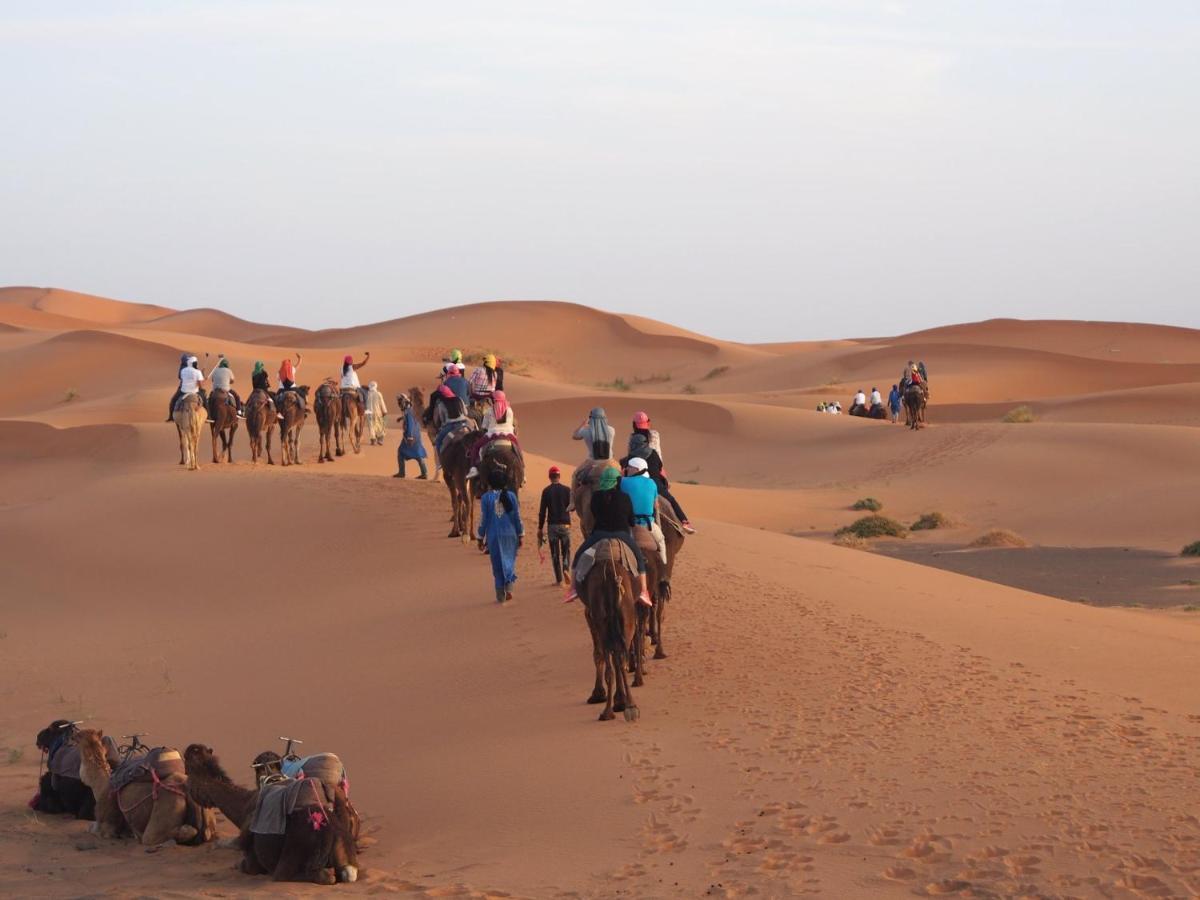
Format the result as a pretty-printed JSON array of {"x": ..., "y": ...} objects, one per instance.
[
  {"x": 555, "y": 470},
  {"x": 348, "y": 358}
]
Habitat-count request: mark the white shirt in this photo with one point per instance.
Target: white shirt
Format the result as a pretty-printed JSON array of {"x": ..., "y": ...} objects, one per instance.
[
  {"x": 189, "y": 380},
  {"x": 876, "y": 398},
  {"x": 860, "y": 399},
  {"x": 350, "y": 379},
  {"x": 491, "y": 426}
]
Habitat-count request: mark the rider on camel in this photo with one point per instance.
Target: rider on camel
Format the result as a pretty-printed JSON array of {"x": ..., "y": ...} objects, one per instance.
[
  {"x": 646, "y": 443},
  {"x": 499, "y": 422},
  {"x": 222, "y": 380},
  {"x": 287, "y": 379},
  {"x": 859, "y": 402},
  {"x": 643, "y": 493},
  {"x": 612, "y": 512},
  {"x": 190, "y": 380}
]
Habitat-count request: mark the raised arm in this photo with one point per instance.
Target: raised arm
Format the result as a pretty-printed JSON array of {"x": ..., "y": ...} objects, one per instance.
[{"x": 366, "y": 359}]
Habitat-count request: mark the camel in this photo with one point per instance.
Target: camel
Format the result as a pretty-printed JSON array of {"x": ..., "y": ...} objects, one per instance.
[
  {"x": 499, "y": 454},
  {"x": 455, "y": 460},
  {"x": 915, "y": 400},
  {"x": 608, "y": 596},
  {"x": 154, "y": 805},
  {"x": 59, "y": 789},
  {"x": 294, "y": 414},
  {"x": 354, "y": 415},
  {"x": 260, "y": 420},
  {"x": 223, "y": 420},
  {"x": 658, "y": 577},
  {"x": 327, "y": 406},
  {"x": 189, "y": 416},
  {"x": 317, "y": 843},
  {"x": 325, "y": 767},
  {"x": 582, "y": 482}
]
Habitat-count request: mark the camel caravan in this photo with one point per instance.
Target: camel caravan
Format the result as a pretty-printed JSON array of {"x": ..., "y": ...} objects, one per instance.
[
  {"x": 296, "y": 823},
  {"x": 343, "y": 407}
]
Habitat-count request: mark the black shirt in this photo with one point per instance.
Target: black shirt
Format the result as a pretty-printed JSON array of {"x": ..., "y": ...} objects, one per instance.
[
  {"x": 555, "y": 500},
  {"x": 260, "y": 381},
  {"x": 612, "y": 510}
]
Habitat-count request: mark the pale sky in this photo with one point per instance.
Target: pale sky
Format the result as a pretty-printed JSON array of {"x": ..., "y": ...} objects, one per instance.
[{"x": 752, "y": 170}]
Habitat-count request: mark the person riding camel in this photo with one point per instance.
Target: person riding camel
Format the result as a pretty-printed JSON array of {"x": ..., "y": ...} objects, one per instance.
[
  {"x": 456, "y": 414},
  {"x": 350, "y": 369},
  {"x": 191, "y": 379},
  {"x": 924, "y": 378},
  {"x": 456, "y": 382},
  {"x": 499, "y": 367},
  {"x": 597, "y": 435},
  {"x": 183, "y": 361},
  {"x": 612, "y": 511},
  {"x": 859, "y": 402},
  {"x": 876, "y": 398},
  {"x": 222, "y": 380},
  {"x": 499, "y": 422},
  {"x": 646, "y": 443},
  {"x": 905, "y": 378},
  {"x": 643, "y": 493},
  {"x": 287, "y": 379}
]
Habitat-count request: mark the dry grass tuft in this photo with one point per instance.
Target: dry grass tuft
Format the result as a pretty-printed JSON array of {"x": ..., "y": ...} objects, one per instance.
[
  {"x": 868, "y": 503},
  {"x": 1191, "y": 550},
  {"x": 873, "y": 526},
  {"x": 929, "y": 521},
  {"x": 1019, "y": 414},
  {"x": 853, "y": 541},
  {"x": 999, "y": 537}
]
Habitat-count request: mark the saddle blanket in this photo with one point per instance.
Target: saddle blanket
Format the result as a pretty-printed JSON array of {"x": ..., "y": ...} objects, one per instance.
[
  {"x": 162, "y": 761},
  {"x": 278, "y": 801},
  {"x": 607, "y": 550},
  {"x": 326, "y": 768}
]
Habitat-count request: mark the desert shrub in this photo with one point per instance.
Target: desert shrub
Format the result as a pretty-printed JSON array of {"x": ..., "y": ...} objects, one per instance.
[
  {"x": 713, "y": 373},
  {"x": 71, "y": 394},
  {"x": 689, "y": 481},
  {"x": 999, "y": 537},
  {"x": 873, "y": 526},
  {"x": 929, "y": 521},
  {"x": 689, "y": 389},
  {"x": 15, "y": 754},
  {"x": 1019, "y": 414},
  {"x": 868, "y": 503},
  {"x": 651, "y": 379},
  {"x": 1191, "y": 550},
  {"x": 617, "y": 384}
]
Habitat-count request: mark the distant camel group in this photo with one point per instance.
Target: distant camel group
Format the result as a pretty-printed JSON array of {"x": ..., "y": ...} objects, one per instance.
[
  {"x": 294, "y": 827},
  {"x": 341, "y": 418}
]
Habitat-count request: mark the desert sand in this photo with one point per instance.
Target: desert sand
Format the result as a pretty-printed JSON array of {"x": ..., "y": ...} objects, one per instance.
[{"x": 829, "y": 721}]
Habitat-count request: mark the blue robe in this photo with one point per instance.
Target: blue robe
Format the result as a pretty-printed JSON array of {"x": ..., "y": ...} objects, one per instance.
[
  {"x": 501, "y": 530},
  {"x": 412, "y": 429}
]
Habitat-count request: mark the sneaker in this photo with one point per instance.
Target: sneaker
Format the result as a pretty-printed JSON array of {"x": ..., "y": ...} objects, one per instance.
[
  {"x": 687, "y": 526},
  {"x": 473, "y": 473},
  {"x": 398, "y": 475},
  {"x": 422, "y": 477},
  {"x": 572, "y": 595}
]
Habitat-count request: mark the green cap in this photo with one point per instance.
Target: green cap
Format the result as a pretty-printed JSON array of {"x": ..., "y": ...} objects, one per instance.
[{"x": 609, "y": 479}]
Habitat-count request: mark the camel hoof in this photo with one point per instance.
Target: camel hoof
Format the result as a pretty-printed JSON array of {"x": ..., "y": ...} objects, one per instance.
[
  {"x": 607, "y": 716},
  {"x": 325, "y": 876},
  {"x": 632, "y": 714},
  {"x": 618, "y": 706},
  {"x": 658, "y": 653},
  {"x": 348, "y": 874},
  {"x": 597, "y": 697},
  {"x": 320, "y": 459},
  {"x": 185, "y": 833}
]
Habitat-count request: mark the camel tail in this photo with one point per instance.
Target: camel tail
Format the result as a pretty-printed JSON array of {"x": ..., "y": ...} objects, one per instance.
[{"x": 613, "y": 586}]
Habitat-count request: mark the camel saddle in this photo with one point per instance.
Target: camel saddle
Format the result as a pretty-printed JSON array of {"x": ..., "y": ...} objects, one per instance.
[
  {"x": 325, "y": 768},
  {"x": 158, "y": 764},
  {"x": 279, "y": 800},
  {"x": 495, "y": 444},
  {"x": 666, "y": 517},
  {"x": 607, "y": 550}
]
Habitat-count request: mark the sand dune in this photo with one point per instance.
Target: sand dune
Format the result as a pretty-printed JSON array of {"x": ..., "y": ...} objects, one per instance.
[{"x": 828, "y": 721}]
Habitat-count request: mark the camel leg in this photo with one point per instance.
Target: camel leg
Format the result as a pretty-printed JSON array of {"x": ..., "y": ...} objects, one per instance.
[
  {"x": 660, "y": 609},
  {"x": 638, "y": 648},
  {"x": 229, "y": 447},
  {"x": 606, "y": 714},
  {"x": 599, "y": 695},
  {"x": 216, "y": 437},
  {"x": 182, "y": 451}
]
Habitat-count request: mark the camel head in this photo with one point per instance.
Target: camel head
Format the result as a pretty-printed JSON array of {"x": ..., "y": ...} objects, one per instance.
[
  {"x": 199, "y": 759},
  {"x": 46, "y": 736},
  {"x": 90, "y": 742},
  {"x": 418, "y": 399}
]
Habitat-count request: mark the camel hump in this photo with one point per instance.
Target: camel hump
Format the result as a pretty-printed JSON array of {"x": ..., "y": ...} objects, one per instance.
[{"x": 609, "y": 550}]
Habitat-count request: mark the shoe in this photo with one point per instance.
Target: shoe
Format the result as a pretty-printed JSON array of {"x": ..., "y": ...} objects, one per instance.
[
  {"x": 398, "y": 475},
  {"x": 687, "y": 526},
  {"x": 644, "y": 599},
  {"x": 170, "y": 418},
  {"x": 422, "y": 478},
  {"x": 473, "y": 473},
  {"x": 572, "y": 595}
]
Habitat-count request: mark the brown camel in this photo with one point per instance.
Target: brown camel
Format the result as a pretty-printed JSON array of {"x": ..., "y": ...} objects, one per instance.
[
  {"x": 658, "y": 577},
  {"x": 582, "y": 483},
  {"x": 455, "y": 459},
  {"x": 325, "y": 767},
  {"x": 189, "y": 416},
  {"x": 154, "y": 805},
  {"x": 608, "y": 596},
  {"x": 328, "y": 407},
  {"x": 498, "y": 455},
  {"x": 915, "y": 399},
  {"x": 260, "y": 421},
  {"x": 354, "y": 415},
  {"x": 291, "y": 407},
  {"x": 223, "y": 419},
  {"x": 316, "y": 844}
]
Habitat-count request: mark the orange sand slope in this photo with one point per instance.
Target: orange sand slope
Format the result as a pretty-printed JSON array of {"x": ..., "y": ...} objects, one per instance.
[{"x": 827, "y": 721}]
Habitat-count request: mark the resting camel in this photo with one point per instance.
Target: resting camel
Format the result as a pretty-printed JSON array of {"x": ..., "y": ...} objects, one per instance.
[
  {"x": 328, "y": 407},
  {"x": 260, "y": 420},
  {"x": 189, "y": 416},
  {"x": 325, "y": 767},
  {"x": 59, "y": 788},
  {"x": 223, "y": 420},
  {"x": 915, "y": 400},
  {"x": 155, "y": 806},
  {"x": 292, "y": 408},
  {"x": 316, "y": 843},
  {"x": 354, "y": 415},
  {"x": 608, "y": 596}
]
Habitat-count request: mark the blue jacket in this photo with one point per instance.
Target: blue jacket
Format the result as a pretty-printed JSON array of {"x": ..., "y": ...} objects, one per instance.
[
  {"x": 643, "y": 494},
  {"x": 460, "y": 386},
  {"x": 894, "y": 400}
]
